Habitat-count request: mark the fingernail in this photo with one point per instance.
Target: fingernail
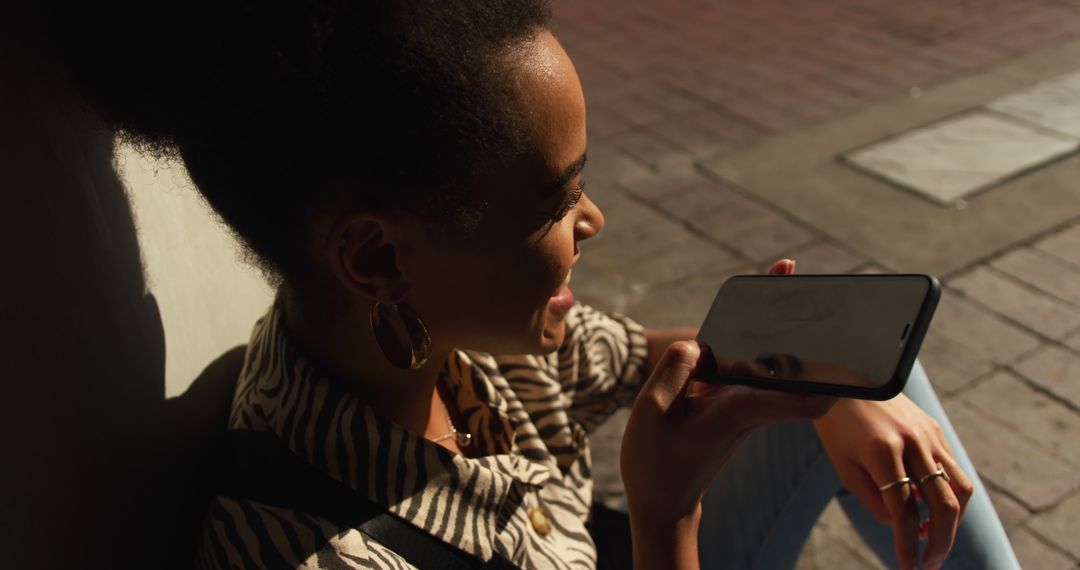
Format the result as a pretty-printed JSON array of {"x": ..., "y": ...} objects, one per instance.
[
  {"x": 705, "y": 356},
  {"x": 704, "y": 348}
]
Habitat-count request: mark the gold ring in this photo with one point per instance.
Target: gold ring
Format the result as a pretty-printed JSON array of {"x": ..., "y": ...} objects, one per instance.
[
  {"x": 901, "y": 481},
  {"x": 939, "y": 473}
]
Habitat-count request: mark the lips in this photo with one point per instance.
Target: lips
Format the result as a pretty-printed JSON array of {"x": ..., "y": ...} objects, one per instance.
[{"x": 563, "y": 299}]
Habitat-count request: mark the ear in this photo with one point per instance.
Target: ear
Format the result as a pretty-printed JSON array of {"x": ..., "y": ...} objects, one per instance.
[{"x": 363, "y": 256}]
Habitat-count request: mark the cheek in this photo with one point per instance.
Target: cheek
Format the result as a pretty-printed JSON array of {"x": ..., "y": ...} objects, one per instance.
[
  {"x": 554, "y": 259},
  {"x": 495, "y": 299}
]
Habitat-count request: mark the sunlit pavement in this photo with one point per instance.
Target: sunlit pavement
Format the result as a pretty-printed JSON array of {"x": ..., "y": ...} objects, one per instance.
[{"x": 720, "y": 135}]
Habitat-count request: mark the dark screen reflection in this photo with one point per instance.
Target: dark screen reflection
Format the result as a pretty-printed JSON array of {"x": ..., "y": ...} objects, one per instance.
[{"x": 843, "y": 330}]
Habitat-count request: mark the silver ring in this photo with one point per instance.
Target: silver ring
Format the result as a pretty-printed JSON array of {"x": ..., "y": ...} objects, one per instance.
[
  {"x": 939, "y": 473},
  {"x": 901, "y": 481}
]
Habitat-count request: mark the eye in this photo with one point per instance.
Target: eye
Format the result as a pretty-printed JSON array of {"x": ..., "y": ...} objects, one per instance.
[
  {"x": 781, "y": 365},
  {"x": 570, "y": 202}
]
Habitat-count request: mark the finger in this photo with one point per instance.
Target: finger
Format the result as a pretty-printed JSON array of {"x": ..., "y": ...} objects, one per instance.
[
  {"x": 944, "y": 441},
  {"x": 944, "y": 511},
  {"x": 671, "y": 376},
  {"x": 886, "y": 466},
  {"x": 698, "y": 388},
  {"x": 708, "y": 366},
  {"x": 750, "y": 368},
  {"x": 749, "y": 407},
  {"x": 862, "y": 485},
  {"x": 961, "y": 484},
  {"x": 783, "y": 267}
]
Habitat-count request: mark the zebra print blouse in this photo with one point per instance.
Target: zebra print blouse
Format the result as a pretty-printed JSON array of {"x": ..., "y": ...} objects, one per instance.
[{"x": 528, "y": 414}]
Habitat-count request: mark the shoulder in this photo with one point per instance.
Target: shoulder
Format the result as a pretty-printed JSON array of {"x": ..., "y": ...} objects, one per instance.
[{"x": 240, "y": 533}]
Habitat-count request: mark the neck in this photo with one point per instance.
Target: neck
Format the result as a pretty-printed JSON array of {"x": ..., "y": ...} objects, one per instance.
[{"x": 337, "y": 335}]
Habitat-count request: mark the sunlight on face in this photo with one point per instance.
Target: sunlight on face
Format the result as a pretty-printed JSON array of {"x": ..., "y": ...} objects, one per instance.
[{"x": 506, "y": 292}]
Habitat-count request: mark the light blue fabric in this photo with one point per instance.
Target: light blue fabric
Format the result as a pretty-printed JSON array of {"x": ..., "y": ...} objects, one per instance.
[{"x": 763, "y": 505}]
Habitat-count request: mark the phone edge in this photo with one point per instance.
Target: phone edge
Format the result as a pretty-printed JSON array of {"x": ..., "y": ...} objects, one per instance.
[{"x": 886, "y": 392}]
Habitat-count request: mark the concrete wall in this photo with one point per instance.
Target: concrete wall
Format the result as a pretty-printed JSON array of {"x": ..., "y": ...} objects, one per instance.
[
  {"x": 109, "y": 413},
  {"x": 207, "y": 297}
]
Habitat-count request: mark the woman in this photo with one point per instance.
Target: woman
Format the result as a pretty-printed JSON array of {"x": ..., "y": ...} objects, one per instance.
[{"x": 410, "y": 175}]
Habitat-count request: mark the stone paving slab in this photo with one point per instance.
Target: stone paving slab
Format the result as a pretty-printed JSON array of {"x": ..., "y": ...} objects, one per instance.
[
  {"x": 1059, "y": 525},
  {"x": 959, "y": 156},
  {"x": 683, "y": 260},
  {"x": 984, "y": 333},
  {"x": 676, "y": 87},
  {"x": 1043, "y": 271},
  {"x": 658, "y": 186},
  {"x": 647, "y": 148},
  {"x": 683, "y": 303},
  {"x": 1009, "y": 510},
  {"x": 693, "y": 203},
  {"x": 755, "y": 43},
  {"x": 738, "y": 219},
  {"x": 1056, "y": 370},
  {"x": 606, "y": 478},
  {"x": 1009, "y": 298},
  {"x": 1043, "y": 420},
  {"x": 1064, "y": 245},
  {"x": 1036, "y": 477},
  {"x": 824, "y": 550},
  {"x": 952, "y": 366},
  {"x": 770, "y": 239},
  {"x": 827, "y": 257},
  {"x": 837, "y": 527},
  {"x": 633, "y": 229},
  {"x": 1053, "y": 104},
  {"x": 1034, "y": 553},
  {"x": 882, "y": 222},
  {"x": 609, "y": 165}
]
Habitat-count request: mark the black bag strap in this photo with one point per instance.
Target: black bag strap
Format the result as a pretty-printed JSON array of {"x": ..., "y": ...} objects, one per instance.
[
  {"x": 610, "y": 530},
  {"x": 261, "y": 468}
]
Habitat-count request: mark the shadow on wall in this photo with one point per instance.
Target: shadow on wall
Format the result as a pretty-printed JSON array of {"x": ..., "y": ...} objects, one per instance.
[{"x": 97, "y": 468}]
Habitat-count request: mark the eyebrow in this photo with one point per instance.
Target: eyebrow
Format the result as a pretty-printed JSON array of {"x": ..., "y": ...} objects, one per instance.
[{"x": 571, "y": 171}]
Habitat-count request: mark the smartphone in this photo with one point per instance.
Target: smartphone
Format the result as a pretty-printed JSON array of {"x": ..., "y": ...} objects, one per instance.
[{"x": 854, "y": 336}]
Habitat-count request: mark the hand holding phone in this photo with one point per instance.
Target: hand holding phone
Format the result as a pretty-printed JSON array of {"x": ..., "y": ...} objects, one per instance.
[
  {"x": 674, "y": 444},
  {"x": 854, "y": 431},
  {"x": 854, "y": 336}
]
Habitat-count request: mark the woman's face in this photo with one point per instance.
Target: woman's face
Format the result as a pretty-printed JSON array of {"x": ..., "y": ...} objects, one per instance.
[{"x": 505, "y": 291}]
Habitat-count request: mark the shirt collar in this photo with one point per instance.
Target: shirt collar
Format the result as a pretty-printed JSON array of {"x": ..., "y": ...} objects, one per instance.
[{"x": 282, "y": 391}]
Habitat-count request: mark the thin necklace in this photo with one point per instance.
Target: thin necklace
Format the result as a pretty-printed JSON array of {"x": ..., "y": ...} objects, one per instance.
[{"x": 463, "y": 438}]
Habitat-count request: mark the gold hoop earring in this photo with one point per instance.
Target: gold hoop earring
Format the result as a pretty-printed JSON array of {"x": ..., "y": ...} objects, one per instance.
[{"x": 401, "y": 334}]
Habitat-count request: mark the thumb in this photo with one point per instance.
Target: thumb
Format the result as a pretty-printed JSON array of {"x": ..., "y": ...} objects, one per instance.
[
  {"x": 671, "y": 377},
  {"x": 783, "y": 267},
  {"x": 754, "y": 407}
]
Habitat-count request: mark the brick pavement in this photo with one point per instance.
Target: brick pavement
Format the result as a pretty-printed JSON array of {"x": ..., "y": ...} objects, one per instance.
[{"x": 671, "y": 83}]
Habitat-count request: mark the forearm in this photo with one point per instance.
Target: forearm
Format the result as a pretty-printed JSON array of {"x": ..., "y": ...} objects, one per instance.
[
  {"x": 658, "y": 340},
  {"x": 665, "y": 546}
]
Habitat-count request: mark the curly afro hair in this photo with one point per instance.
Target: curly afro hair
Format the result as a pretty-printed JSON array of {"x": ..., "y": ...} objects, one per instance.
[{"x": 279, "y": 108}]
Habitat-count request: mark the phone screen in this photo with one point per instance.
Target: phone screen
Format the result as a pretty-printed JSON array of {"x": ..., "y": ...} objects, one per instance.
[{"x": 848, "y": 330}]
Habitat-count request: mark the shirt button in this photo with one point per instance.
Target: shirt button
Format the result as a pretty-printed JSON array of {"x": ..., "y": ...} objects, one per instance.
[{"x": 540, "y": 521}]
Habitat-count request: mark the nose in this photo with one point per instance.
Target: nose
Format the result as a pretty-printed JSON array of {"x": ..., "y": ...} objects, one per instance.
[{"x": 590, "y": 220}]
